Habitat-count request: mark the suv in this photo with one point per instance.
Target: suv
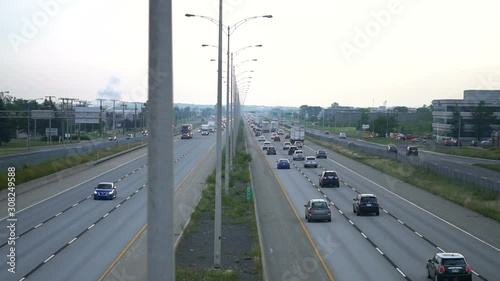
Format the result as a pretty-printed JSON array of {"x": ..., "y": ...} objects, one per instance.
[
  {"x": 286, "y": 145},
  {"x": 292, "y": 149},
  {"x": 342, "y": 136},
  {"x": 449, "y": 266},
  {"x": 271, "y": 150},
  {"x": 317, "y": 209},
  {"x": 298, "y": 155},
  {"x": 412, "y": 150},
  {"x": 327, "y": 178},
  {"x": 365, "y": 203},
  {"x": 298, "y": 144},
  {"x": 321, "y": 154}
]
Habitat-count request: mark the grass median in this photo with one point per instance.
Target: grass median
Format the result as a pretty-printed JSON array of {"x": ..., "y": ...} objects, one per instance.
[
  {"x": 32, "y": 172},
  {"x": 241, "y": 254},
  {"x": 469, "y": 196}
]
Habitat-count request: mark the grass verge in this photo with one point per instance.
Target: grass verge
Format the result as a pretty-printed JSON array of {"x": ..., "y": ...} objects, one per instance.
[
  {"x": 472, "y": 197},
  {"x": 237, "y": 207},
  {"x": 32, "y": 172}
]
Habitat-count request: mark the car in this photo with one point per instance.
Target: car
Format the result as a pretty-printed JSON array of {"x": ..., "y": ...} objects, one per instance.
[
  {"x": 298, "y": 155},
  {"x": 342, "y": 136},
  {"x": 310, "y": 162},
  {"x": 317, "y": 209},
  {"x": 277, "y": 138},
  {"x": 292, "y": 149},
  {"x": 365, "y": 203},
  {"x": 474, "y": 143},
  {"x": 419, "y": 140},
  {"x": 329, "y": 178},
  {"x": 271, "y": 150},
  {"x": 283, "y": 164},
  {"x": 449, "y": 266},
  {"x": 287, "y": 136},
  {"x": 258, "y": 134},
  {"x": 266, "y": 145},
  {"x": 411, "y": 150},
  {"x": 112, "y": 138},
  {"x": 392, "y": 148},
  {"x": 286, "y": 145},
  {"x": 327, "y": 133},
  {"x": 105, "y": 190},
  {"x": 129, "y": 136},
  {"x": 321, "y": 154},
  {"x": 298, "y": 144},
  {"x": 281, "y": 132},
  {"x": 262, "y": 138}
]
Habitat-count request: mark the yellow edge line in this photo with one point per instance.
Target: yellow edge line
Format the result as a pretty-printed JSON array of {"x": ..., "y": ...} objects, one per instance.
[
  {"x": 122, "y": 253},
  {"x": 302, "y": 225}
]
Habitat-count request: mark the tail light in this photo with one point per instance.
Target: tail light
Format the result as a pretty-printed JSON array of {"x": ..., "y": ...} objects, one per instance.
[
  {"x": 441, "y": 269},
  {"x": 467, "y": 269},
  {"x": 310, "y": 211}
]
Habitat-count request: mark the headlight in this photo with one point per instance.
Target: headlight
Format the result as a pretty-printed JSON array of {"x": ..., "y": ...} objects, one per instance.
[
  {"x": 95, "y": 192},
  {"x": 111, "y": 192}
]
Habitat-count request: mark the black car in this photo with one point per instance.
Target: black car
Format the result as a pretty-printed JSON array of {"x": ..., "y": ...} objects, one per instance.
[
  {"x": 329, "y": 178},
  {"x": 292, "y": 149},
  {"x": 392, "y": 148},
  {"x": 412, "y": 150},
  {"x": 365, "y": 203},
  {"x": 271, "y": 150},
  {"x": 449, "y": 266},
  {"x": 321, "y": 154}
]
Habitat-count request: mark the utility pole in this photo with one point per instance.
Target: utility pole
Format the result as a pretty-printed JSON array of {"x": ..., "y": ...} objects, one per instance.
[
  {"x": 135, "y": 116},
  {"x": 123, "y": 118},
  {"x": 50, "y": 120},
  {"x": 114, "y": 123},
  {"x": 100, "y": 115}
]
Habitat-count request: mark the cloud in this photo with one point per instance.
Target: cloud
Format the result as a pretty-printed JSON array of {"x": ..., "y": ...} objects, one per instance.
[{"x": 111, "y": 91}]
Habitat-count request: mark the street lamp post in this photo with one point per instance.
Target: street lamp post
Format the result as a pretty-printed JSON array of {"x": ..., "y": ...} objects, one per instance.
[{"x": 217, "y": 223}]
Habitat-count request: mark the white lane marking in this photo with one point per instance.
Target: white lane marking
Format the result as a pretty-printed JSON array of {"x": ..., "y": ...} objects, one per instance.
[
  {"x": 378, "y": 250},
  {"x": 38, "y": 225},
  {"x": 118, "y": 206},
  {"x": 105, "y": 215},
  {"x": 75, "y": 204},
  {"x": 91, "y": 226},
  {"x": 61, "y": 192},
  {"x": 363, "y": 235},
  {"x": 48, "y": 259},
  {"x": 72, "y": 240},
  {"x": 418, "y": 207},
  {"x": 440, "y": 249},
  {"x": 419, "y": 234},
  {"x": 400, "y": 272},
  {"x": 58, "y": 214}
]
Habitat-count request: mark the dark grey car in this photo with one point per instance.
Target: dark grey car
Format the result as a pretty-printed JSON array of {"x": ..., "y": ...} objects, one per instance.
[{"x": 318, "y": 209}]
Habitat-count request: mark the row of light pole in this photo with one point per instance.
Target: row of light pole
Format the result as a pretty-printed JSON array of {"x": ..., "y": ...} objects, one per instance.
[{"x": 230, "y": 122}]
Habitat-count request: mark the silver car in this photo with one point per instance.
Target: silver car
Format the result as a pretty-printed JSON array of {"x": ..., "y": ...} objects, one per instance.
[
  {"x": 317, "y": 209},
  {"x": 310, "y": 162},
  {"x": 298, "y": 155}
]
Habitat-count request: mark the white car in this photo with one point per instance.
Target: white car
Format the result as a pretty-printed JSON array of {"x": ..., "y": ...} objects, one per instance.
[
  {"x": 310, "y": 162},
  {"x": 342, "y": 136},
  {"x": 281, "y": 132},
  {"x": 286, "y": 145},
  {"x": 266, "y": 144},
  {"x": 262, "y": 138}
]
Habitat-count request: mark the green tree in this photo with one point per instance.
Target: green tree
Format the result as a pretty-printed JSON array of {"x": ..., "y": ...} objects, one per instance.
[
  {"x": 457, "y": 123},
  {"x": 5, "y": 134},
  {"x": 364, "y": 119},
  {"x": 482, "y": 118},
  {"x": 400, "y": 109}
]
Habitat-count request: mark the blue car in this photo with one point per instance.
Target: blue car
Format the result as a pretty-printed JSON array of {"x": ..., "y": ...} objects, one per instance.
[
  {"x": 283, "y": 164},
  {"x": 105, "y": 190}
]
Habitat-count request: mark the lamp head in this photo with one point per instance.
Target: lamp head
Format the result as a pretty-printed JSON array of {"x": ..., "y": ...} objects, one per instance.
[{"x": 189, "y": 15}]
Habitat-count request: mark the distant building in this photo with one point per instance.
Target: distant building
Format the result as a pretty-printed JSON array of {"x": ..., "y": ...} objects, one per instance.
[{"x": 442, "y": 113}]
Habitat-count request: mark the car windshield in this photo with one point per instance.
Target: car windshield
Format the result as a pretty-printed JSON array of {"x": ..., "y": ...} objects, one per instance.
[
  {"x": 319, "y": 205},
  {"x": 454, "y": 262},
  {"x": 330, "y": 174},
  {"x": 104, "y": 186}
]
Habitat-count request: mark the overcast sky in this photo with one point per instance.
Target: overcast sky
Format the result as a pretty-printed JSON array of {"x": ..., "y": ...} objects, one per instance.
[{"x": 317, "y": 52}]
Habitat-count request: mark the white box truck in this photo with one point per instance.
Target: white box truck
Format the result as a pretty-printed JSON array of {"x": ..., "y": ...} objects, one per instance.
[{"x": 297, "y": 133}]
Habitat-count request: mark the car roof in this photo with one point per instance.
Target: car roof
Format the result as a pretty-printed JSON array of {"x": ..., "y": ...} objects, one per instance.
[
  {"x": 321, "y": 151},
  {"x": 450, "y": 255},
  {"x": 318, "y": 200},
  {"x": 284, "y": 159},
  {"x": 105, "y": 182},
  {"x": 367, "y": 195},
  {"x": 311, "y": 157},
  {"x": 298, "y": 151}
]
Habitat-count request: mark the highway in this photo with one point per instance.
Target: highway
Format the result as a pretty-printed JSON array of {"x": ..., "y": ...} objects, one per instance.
[
  {"x": 70, "y": 236},
  {"x": 413, "y": 225}
]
